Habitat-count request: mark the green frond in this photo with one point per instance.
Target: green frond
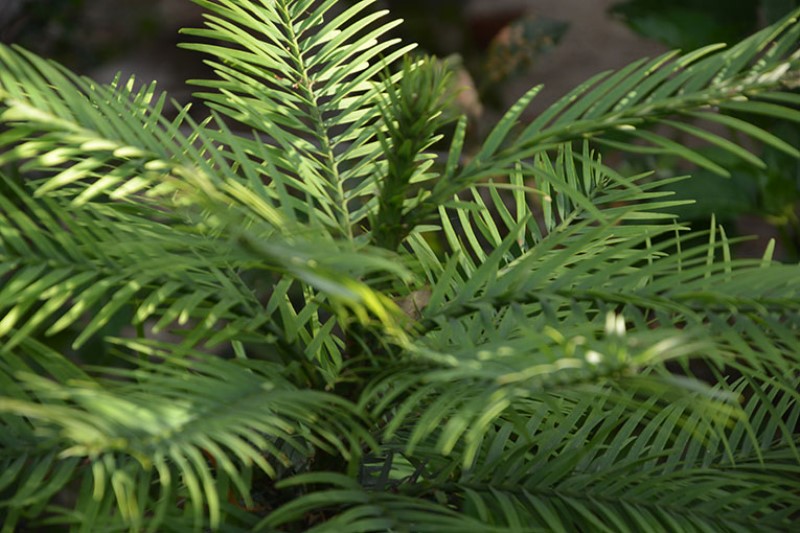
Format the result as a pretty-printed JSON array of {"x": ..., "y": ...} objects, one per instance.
[
  {"x": 618, "y": 109},
  {"x": 553, "y": 319},
  {"x": 576, "y": 460},
  {"x": 621, "y": 472},
  {"x": 181, "y": 420},
  {"x": 305, "y": 81},
  {"x": 105, "y": 262},
  {"x": 296, "y": 314},
  {"x": 360, "y": 510},
  {"x": 411, "y": 115},
  {"x": 169, "y": 276},
  {"x": 571, "y": 189},
  {"x": 89, "y": 140}
]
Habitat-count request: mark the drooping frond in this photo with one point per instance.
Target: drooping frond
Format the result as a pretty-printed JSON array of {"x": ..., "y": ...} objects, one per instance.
[
  {"x": 106, "y": 259},
  {"x": 583, "y": 460},
  {"x": 615, "y": 472},
  {"x": 88, "y": 140},
  {"x": 189, "y": 420},
  {"x": 712, "y": 85},
  {"x": 588, "y": 464},
  {"x": 76, "y": 139}
]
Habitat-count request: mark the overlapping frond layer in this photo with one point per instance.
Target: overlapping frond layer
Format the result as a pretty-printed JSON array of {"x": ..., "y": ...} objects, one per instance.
[
  {"x": 189, "y": 420},
  {"x": 569, "y": 191},
  {"x": 84, "y": 139},
  {"x": 65, "y": 265},
  {"x": 585, "y": 462},
  {"x": 533, "y": 323},
  {"x": 578, "y": 458},
  {"x": 89, "y": 146},
  {"x": 565, "y": 432},
  {"x": 303, "y": 78}
]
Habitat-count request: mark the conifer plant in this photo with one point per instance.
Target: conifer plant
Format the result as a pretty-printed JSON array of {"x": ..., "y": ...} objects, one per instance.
[{"x": 306, "y": 306}]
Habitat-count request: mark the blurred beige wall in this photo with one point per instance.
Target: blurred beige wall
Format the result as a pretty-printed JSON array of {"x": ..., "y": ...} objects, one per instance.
[{"x": 594, "y": 42}]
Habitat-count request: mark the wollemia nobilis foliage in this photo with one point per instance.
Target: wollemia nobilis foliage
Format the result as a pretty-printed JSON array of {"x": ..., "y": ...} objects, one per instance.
[{"x": 300, "y": 314}]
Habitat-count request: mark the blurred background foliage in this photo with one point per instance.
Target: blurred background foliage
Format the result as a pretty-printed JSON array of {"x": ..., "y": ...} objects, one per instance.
[
  {"x": 76, "y": 32},
  {"x": 689, "y": 24},
  {"x": 751, "y": 196},
  {"x": 489, "y": 44}
]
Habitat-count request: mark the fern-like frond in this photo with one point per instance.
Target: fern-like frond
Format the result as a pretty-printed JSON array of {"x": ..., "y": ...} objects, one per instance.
[
  {"x": 515, "y": 217},
  {"x": 617, "y": 108},
  {"x": 579, "y": 458},
  {"x": 107, "y": 260},
  {"x": 212, "y": 418},
  {"x": 165, "y": 276},
  {"x": 356, "y": 509},
  {"x": 551, "y": 319},
  {"x": 597, "y": 467},
  {"x": 517, "y": 339},
  {"x": 84, "y": 139},
  {"x": 304, "y": 79}
]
